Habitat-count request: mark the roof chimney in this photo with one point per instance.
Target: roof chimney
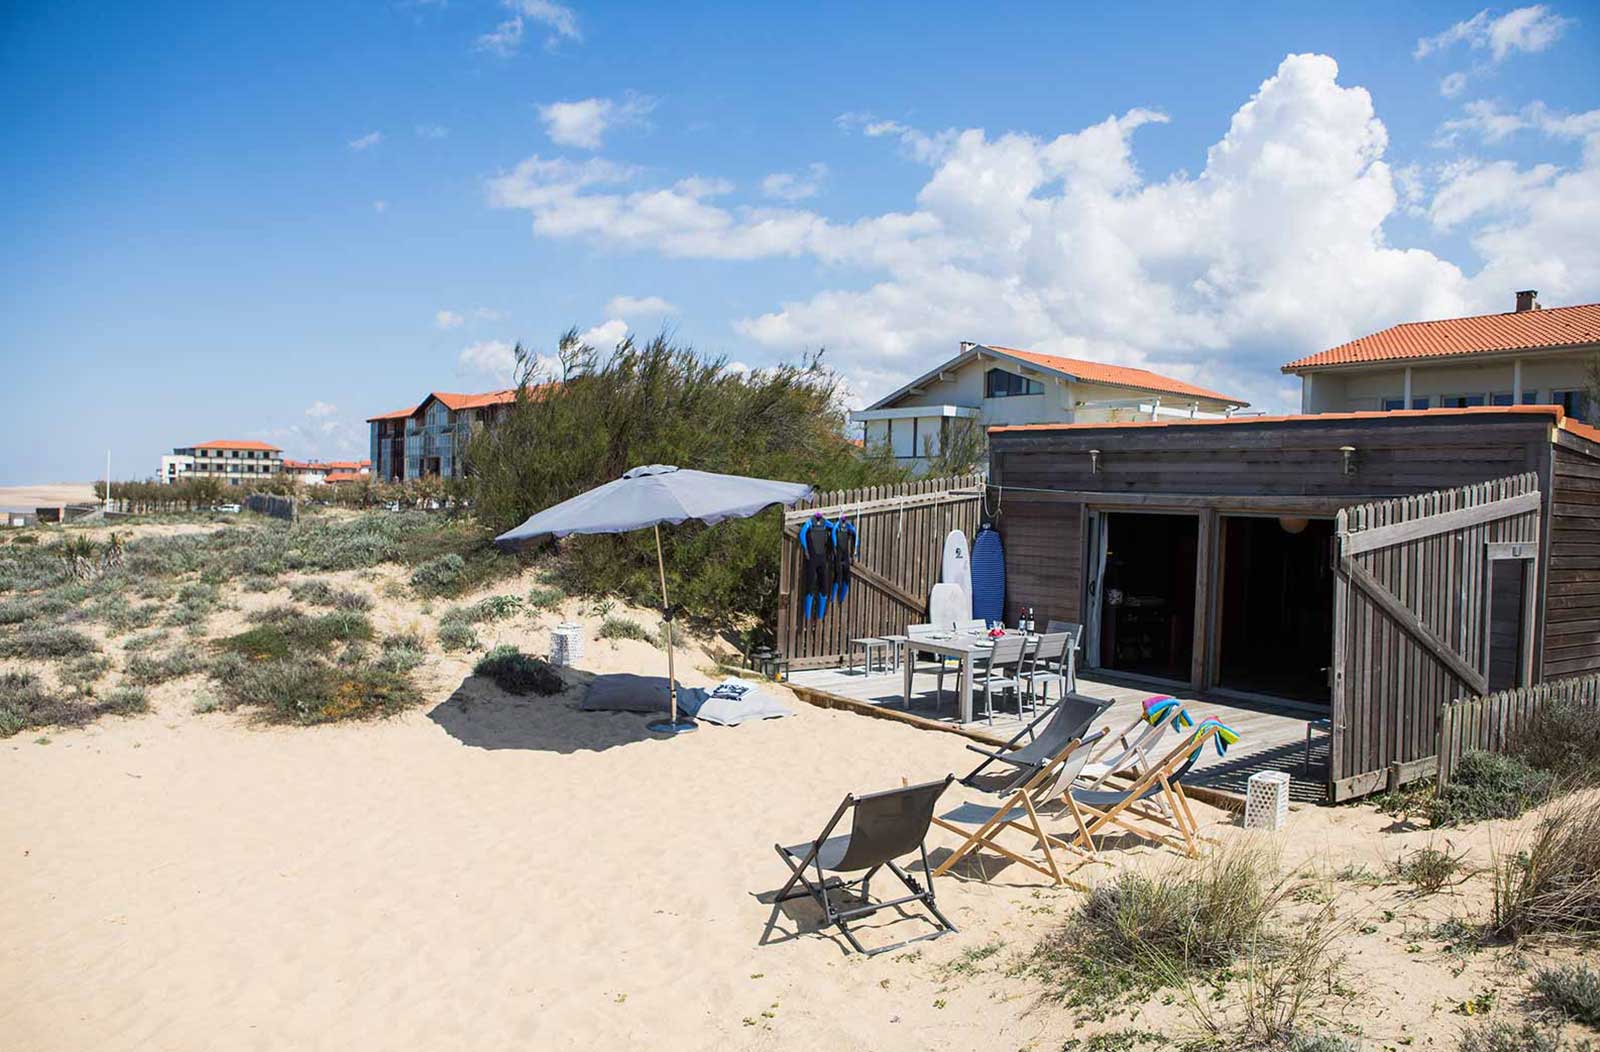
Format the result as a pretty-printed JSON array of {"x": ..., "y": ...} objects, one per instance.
[
  {"x": 967, "y": 345},
  {"x": 1527, "y": 299}
]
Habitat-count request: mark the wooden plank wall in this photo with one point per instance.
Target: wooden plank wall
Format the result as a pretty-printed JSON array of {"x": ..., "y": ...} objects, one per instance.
[
  {"x": 1389, "y": 687},
  {"x": 905, "y": 546},
  {"x": 1572, "y": 605},
  {"x": 1044, "y": 559},
  {"x": 1495, "y": 722}
]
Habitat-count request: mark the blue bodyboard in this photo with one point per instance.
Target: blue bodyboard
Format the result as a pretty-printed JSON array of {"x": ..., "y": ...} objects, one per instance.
[{"x": 988, "y": 576}]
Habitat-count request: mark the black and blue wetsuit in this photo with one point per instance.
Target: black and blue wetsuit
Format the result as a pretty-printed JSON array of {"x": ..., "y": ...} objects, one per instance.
[
  {"x": 816, "y": 575},
  {"x": 846, "y": 542}
]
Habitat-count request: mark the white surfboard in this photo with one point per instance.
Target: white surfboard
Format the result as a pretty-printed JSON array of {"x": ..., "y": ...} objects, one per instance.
[
  {"x": 958, "y": 566},
  {"x": 947, "y": 604}
]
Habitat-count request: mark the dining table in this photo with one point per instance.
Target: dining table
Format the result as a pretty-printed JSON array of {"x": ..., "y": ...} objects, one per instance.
[{"x": 965, "y": 647}]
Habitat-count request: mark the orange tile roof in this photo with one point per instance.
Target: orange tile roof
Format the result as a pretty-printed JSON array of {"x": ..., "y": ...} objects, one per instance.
[
  {"x": 1118, "y": 375},
  {"x": 232, "y": 444},
  {"x": 1545, "y": 329},
  {"x": 396, "y": 415},
  {"x": 1552, "y": 411},
  {"x": 458, "y": 402},
  {"x": 344, "y": 476}
]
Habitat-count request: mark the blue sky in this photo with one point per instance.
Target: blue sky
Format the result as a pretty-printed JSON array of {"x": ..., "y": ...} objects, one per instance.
[{"x": 271, "y": 221}]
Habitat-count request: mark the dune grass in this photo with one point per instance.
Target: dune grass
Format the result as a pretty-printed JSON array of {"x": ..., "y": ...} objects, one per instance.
[
  {"x": 518, "y": 673},
  {"x": 1551, "y": 884}
]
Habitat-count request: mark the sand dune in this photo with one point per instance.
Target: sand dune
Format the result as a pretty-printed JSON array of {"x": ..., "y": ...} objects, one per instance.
[{"x": 26, "y": 498}]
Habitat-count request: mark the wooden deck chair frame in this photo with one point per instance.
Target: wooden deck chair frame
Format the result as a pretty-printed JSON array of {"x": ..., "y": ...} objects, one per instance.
[
  {"x": 1138, "y": 802},
  {"x": 1019, "y": 812}
]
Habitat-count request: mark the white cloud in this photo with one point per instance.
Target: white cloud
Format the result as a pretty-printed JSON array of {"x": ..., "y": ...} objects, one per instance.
[
  {"x": 320, "y": 410},
  {"x": 447, "y": 319},
  {"x": 637, "y": 306},
  {"x": 380, "y": 207},
  {"x": 490, "y": 358},
  {"x": 795, "y": 186},
  {"x": 506, "y": 38},
  {"x": 1276, "y": 248},
  {"x": 1528, "y": 29},
  {"x": 490, "y": 314},
  {"x": 1491, "y": 124},
  {"x": 1453, "y": 84},
  {"x": 432, "y": 131},
  {"x": 584, "y": 122},
  {"x": 366, "y": 141},
  {"x": 606, "y": 335}
]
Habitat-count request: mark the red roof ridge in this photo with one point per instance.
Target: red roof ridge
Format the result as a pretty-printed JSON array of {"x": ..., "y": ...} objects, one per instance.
[
  {"x": 228, "y": 443},
  {"x": 1544, "y": 410},
  {"x": 1544, "y": 328},
  {"x": 1118, "y": 375}
]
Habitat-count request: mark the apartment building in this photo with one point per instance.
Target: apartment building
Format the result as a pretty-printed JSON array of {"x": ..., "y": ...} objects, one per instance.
[
  {"x": 998, "y": 386},
  {"x": 431, "y": 437},
  {"x": 319, "y": 472},
  {"x": 1526, "y": 356},
  {"x": 234, "y": 462}
]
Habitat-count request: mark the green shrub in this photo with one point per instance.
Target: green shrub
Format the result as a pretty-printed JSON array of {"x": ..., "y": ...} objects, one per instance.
[
  {"x": 308, "y": 688},
  {"x": 498, "y": 607},
  {"x": 454, "y": 635},
  {"x": 1429, "y": 870},
  {"x": 403, "y": 652},
  {"x": 665, "y": 404},
  {"x": 517, "y": 673},
  {"x": 1564, "y": 739},
  {"x": 317, "y": 593},
  {"x": 152, "y": 669},
  {"x": 545, "y": 597},
  {"x": 259, "y": 583},
  {"x": 1141, "y": 931},
  {"x": 1488, "y": 785},
  {"x": 46, "y": 641},
  {"x": 25, "y": 703},
  {"x": 134, "y": 644},
  {"x": 445, "y": 575},
  {"x": 82, "y": 673},
  {"x": 624, "y": 628},
  {"x": 1501, "y": 1036},
  {"x": 1552, "y": 885},
  {"x": 1574, "y": 991}
]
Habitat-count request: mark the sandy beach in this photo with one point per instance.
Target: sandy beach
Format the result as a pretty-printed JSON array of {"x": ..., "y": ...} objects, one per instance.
[
  {"x": 27, "y": 498},
  {"x": 491, "y": 871}
]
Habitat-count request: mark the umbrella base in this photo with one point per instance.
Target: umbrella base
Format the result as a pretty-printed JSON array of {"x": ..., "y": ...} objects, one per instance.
[{"x": 681, "y": 726}]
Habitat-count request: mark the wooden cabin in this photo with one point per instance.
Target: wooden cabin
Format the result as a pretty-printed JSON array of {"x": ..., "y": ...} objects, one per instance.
[{"x": 1363, "y": 567}]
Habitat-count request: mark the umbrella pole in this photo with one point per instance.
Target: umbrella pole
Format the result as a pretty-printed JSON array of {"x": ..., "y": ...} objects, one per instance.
[{"x": 672, "y": 726}]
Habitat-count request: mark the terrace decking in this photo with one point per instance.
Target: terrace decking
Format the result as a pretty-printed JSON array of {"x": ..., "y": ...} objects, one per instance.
[{"x": 1270, "y": 740}]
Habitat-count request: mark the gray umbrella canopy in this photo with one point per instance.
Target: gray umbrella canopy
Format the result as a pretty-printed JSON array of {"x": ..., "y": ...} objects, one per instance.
[
  {"x": 657, "y": 494},
  {"x": 650, "y": 496}
]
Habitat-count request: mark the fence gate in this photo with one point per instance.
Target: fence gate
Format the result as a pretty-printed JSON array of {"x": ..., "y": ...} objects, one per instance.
[
  {"x": 902, "y": 530},
  {"x": 1435, "y": 597}
]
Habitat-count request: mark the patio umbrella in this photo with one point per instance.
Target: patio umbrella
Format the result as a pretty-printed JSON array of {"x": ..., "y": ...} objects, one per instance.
[{"x": 650, "y": 496}]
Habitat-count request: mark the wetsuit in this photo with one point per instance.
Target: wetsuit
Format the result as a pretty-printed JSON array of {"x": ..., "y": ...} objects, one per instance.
[
  {"x": 816, "y": 575},
  {"x": 846, "y": 542}
]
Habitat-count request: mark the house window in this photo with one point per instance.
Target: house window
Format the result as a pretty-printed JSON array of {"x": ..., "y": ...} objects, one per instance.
[
  {"x": 1504, "y": 398},
  {"x": 1460, "y": 401},
  {"x": 1392, "y": 404},
  {"x": 1574, "y": 403},
  {"x": 998, "y": 383}
]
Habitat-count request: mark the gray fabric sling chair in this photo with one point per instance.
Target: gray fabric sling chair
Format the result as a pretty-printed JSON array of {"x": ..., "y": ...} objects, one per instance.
[
  {"x": 884, "y": 826},
  {"x": 1065, "y": 721}
]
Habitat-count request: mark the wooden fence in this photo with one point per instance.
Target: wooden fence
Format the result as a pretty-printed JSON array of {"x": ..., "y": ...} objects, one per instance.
[
  {"x": 1494, "y": 722},
  {"x": 1412, "y": 620},
  {"x": 902, "y": 530},
  {"x": 269, "y": 504}
]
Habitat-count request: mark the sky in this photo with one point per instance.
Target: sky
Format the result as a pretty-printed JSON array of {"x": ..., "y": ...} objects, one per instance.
[{"x": 270, "y": 222}]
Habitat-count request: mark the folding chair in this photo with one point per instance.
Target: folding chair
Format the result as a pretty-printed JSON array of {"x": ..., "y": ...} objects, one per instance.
[
  {"x": 1019, "y": 810},
  {"x": 1138, "y": 740},
  {"x": 883, "y": 827},
  {"x": 1069, "y": 719},
  {"x": 1157, "y": 799}
]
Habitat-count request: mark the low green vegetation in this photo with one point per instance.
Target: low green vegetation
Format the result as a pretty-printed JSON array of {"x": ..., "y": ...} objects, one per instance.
[
  {"x": 518, "y": 673},
  {"x": 624, "y": 628},
  {"x": 49, "y": 642},
  {"x": 282, "y": 631},
  {"x": 1563, "y": 739},
  {"x": 1489, "y": 785},
  {"x": 1573, "y": 991},
  {"x": 457, "y": 635},
  {"x": 151, "y": 669},
  {"x": 1551, "y": 885},
  {"x": 321, "y": 593},
  {"x": 26, "y": 703},
  {"x": 1430, "y": 870},
  {"x": 1500, "y": 1035}
]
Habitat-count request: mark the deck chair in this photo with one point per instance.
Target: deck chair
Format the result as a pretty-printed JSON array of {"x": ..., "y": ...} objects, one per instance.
[
  {"x": 1153, "y": 807},
  {"x": 1069, "y": 719},
  {"x": 979, "y": 825},
  {"x": 883, "y": 827},
  {"x": 1137, "y": 741}
]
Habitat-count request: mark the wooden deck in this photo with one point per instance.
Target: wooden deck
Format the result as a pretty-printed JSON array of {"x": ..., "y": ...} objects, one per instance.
[{"x": 1270, "y": 739}]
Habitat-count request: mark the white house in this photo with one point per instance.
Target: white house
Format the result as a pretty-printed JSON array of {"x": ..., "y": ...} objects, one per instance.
[
  {"x": 990, "y": 385},
  {"x": 1528, "y": 356}
]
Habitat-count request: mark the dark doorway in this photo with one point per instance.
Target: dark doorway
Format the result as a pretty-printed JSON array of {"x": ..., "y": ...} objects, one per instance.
[
  {"x": 1277, "y": 607},
  {"x": 1147, "y": 598},
  {"x": 1507, "y": 580}
]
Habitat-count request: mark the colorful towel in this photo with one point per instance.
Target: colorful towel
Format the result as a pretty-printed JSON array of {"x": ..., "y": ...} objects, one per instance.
[
  {"x": 1224, "y": 737},
  {"x": 1158, "y": 707}
]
